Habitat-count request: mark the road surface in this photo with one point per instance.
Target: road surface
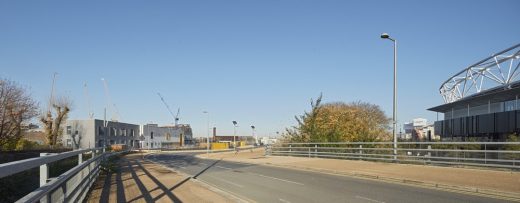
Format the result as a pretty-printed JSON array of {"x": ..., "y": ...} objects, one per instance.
[{"x": 273, "y": 184}]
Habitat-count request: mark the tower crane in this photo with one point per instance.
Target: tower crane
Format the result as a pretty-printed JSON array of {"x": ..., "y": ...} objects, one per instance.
[
  {"x": 115, "y": 114},
  {"x": 175, "y": 117},
  {"x": 87, "y": 97}
]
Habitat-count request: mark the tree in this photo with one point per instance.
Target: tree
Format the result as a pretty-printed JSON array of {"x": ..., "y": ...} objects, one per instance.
[
  {"x": 54, "y": 118},
  {"x": 340, "y": 122},
  {"x": 17, "y": 108}
]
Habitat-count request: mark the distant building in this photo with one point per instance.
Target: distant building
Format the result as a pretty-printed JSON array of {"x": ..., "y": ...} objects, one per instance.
[
  {"x": 419, "y": 130},
  {"x": 267, "y": 141},
  {"x": 35, "y": 136},
  {"x": 166, "y": 136},
  {"x": 96, "y": 133}
]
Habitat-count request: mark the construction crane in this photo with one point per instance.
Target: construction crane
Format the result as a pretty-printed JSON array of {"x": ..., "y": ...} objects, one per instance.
[
  {"x": 175, "y": 117},
  {"x": 87, "y": 97},
  {"x": 115, "y": 114}
]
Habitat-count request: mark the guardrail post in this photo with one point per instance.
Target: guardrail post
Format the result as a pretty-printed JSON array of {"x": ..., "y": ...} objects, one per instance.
[
  {"x": 485, "y": 154},
  {"x": 44, "y": 176},
  {"x": 290, "y": 150},
  {"x": 315, "y": 150},
  {"x": 80, "y": 158},
  {"x": 44, "y": 171},
  {"x": 309, "y": 152},
  {"x": 429, "y": 152},
  {"x": 361, "y": 152}
]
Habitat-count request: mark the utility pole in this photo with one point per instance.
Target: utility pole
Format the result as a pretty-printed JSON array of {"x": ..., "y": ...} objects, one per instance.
[{"x": 207, "y": 135}]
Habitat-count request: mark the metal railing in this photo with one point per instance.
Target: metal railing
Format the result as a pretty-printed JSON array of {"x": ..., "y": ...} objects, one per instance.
[
  {"x": 71, "y": 186},
  {"x": 479, "y": 154}
]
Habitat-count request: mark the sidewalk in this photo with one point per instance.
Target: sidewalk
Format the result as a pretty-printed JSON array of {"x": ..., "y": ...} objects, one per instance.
[
  {"x": 473, "y": 180},
  {"x": 143, "y": 181}
]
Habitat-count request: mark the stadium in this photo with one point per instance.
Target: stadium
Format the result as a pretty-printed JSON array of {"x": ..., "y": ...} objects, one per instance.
[{"x": 481, "y": 101}]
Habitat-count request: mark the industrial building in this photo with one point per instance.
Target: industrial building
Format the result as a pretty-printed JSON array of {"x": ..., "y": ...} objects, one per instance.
[{"x": 481, "y": 101}]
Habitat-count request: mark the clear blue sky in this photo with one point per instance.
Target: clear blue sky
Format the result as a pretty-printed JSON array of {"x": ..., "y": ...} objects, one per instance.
[{"x": 257, "y": 62}]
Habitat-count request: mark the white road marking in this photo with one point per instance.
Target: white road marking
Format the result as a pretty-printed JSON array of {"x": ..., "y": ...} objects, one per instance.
[
  {"x": 368, "y": 199},
  {"x": 284, "y": 201},
  {"x": 224, "y": 167},
  {"x": 274, "y": 178},
  {"x": 228, "y": 182}
]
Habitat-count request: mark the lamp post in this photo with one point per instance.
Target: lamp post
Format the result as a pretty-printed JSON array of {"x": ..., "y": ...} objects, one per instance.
[
  {"x": 234, "y": 135},
  {"x": 253, "y": 134},
  {"x": 207, "y": 135},
  {"x": 394, "y": 116}
]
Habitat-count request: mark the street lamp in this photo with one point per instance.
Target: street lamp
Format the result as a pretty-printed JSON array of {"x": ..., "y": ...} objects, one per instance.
[
  {"x": 253, "y": 134},
  {"x": 234, "y": 135},
  {"x": 394, "y": 116},
  {"x": 207, "y": 135}
]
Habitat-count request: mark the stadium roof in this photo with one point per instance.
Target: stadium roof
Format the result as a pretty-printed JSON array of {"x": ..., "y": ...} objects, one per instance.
[{"x": 496, "y": 94}]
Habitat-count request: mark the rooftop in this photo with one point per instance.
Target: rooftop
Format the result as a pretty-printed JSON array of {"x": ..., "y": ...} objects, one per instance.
[{"x": 497, "y": 94}]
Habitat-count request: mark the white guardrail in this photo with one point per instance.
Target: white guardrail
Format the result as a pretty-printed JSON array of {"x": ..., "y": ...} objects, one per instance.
[
  {"x": 480, "y": 154},
  {"x": 71, "y": 186}
]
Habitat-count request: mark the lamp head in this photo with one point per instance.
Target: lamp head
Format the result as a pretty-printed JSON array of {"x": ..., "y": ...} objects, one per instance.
[
  {"x": 235, "y": 123},
  {"x": 385, "y": 36}
]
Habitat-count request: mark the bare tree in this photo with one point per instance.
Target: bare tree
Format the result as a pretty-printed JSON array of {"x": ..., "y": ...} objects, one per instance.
[
  {"x": 54, "y": 118},
  {"x": 76, "y": 135},
  {"x": 17, "y": 108}
]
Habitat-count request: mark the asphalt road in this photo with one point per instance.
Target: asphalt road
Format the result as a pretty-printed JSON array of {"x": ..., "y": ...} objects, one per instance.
[{"x": 273, "y": 184}]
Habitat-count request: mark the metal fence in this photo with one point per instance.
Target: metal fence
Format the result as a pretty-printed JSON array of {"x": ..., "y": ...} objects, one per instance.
[
  {"x": 71, "y": 186},
  {"x": 478, "y": 154}
]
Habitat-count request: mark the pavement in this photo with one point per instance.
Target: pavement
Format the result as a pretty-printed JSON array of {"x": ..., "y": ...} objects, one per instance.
[
  {"x": 139, "y": 180},
  {"x": 257, "y": 180}
]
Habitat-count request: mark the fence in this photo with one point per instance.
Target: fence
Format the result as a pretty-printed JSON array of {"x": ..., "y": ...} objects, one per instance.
[
  {"x": 480, "y": 154},
  {"x": 71, "y": 186}
]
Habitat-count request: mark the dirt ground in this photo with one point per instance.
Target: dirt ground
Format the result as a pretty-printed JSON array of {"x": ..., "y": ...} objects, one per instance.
[{"x": 142, "y": 181}]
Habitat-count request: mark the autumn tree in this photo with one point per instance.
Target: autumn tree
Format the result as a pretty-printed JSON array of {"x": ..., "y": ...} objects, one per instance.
[
  {"x": 53, "y": 119},
  {"x": 340, "y": 122},
  {"x": 17, "y": 108}
]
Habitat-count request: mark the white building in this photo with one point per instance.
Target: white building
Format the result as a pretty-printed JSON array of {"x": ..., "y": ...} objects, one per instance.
[
  {"x": 418, "y": 129},
  {"x": 267, "y": 141},
  {"x": 165, "y": 136}
]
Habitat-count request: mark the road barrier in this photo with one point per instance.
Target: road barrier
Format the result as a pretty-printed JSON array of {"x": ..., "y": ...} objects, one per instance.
[
  {"x": 71, "y": 186},
  {"x": 218, "y": 146},
  {"x": 479, "y": 154}
]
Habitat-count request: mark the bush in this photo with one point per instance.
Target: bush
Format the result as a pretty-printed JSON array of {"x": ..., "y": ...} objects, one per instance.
[
  {"x": 340, "y": 122},
  {"x": 24, "y": 144}
]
